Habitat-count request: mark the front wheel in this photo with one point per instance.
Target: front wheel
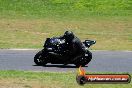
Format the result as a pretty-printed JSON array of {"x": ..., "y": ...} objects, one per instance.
[
  {"x": 39, "y": 59},
  {"x": 84, "y": 60}
]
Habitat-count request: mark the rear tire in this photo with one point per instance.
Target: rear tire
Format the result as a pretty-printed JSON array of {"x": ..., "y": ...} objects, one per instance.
[{"x": 39, "y": 59}]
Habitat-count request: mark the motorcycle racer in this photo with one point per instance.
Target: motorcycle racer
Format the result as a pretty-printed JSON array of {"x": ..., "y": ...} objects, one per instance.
[
  {"x": 75, "y": 46},
  {"x": 66, "y": 49}
]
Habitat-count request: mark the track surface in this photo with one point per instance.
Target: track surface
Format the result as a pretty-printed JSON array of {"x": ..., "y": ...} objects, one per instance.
[{"x": 103, "y": 61}]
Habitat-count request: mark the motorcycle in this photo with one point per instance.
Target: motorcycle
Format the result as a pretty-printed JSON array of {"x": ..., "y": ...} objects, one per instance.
[{"x": 55, "y": 50}]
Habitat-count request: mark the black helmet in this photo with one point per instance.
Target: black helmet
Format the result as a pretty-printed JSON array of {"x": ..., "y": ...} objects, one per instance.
[{"x": 68, "y": 35}]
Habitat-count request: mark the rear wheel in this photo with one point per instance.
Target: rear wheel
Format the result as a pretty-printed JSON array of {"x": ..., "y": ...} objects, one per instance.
[{"x": 39, "y": 59}]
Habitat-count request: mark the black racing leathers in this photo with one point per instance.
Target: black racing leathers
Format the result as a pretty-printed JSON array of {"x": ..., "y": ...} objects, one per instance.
[{"x": 76, "y": 48}]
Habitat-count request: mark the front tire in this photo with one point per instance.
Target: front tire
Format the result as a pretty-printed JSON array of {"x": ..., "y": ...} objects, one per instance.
[
  {"x": 39, "y": 59},
  {"x": 84, "y": 60}
]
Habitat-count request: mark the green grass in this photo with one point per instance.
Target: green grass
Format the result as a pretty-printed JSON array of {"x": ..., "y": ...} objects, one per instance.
[
  {"x": 26, "y": 79},
  {"x": 26, "y": 23},
  {"x": 64, "y": 8},
  {"x": 109, "y": 34}
]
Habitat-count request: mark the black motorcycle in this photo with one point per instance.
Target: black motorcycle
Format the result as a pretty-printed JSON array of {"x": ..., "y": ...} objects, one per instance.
[{"x": 55, "y": 52}]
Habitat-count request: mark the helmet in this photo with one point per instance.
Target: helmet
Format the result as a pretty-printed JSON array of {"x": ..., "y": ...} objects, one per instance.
[{"x": 68, "y": 35}]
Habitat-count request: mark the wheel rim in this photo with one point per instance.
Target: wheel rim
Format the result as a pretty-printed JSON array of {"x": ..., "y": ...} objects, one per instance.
[
  {"x": 82, "y": 61},
  {"x": 39, "y": 60}
]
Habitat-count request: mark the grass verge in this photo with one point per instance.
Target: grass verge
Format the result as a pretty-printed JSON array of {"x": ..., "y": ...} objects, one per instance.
[
  {"x": 26, "y": 23},
  {"x": 110, "y": 34},
  {"x": 24, "y": 79}
]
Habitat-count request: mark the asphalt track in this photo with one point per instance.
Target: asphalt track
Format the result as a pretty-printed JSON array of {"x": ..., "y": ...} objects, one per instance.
[{"x": 103, "y": 61}]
